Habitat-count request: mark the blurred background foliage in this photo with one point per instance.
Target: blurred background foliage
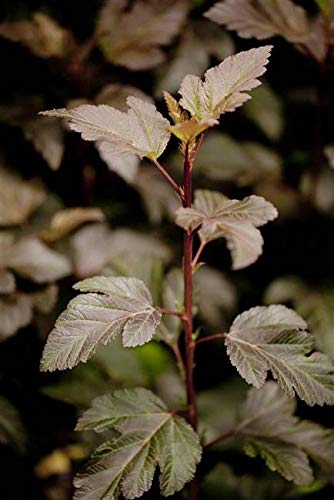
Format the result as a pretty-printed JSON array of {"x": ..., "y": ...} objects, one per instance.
[{"x": 67, "y": 213}]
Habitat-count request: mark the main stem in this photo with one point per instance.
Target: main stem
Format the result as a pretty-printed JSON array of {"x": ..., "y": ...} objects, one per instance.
[{"x": 188, "y": 288}]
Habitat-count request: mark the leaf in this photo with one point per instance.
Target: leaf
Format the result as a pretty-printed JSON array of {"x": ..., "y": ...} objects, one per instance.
[
  {"x": 268, "y": 427},
  {"x": 42, "y": 35},
  {"x": 18, "y": 198},
  {"x": 94, "y": 247},
  {"x": 132, "y": 36},
  {"x": 66, "y": 220},
  {"x": 216, "y": 216},
  {"x": 216, "y": 295},
  {"x": 7, "y": 282},
  {"x": 275, "y": 338},
  {"x": 141, "y": 131},
  {"x": 46, "y": 299},
  {"x": 316, "y": 305},
  {"x": 32, "y": 259},
  {"x": 265, "y": 109},
  {"x": 188, "y": 130},
  {"x": 225, "y": 86},
  {"x": 222, "y": 158},
  {"x": 111, "y": 366},
  {"x": 263, "y": 19},
  {"x": 108, "y": 308},
  {"x": 15, "y": 313},
  {"x": 47, "y": 136},
  {"x": 149, "y": 436},
  {"x": 11, "y": 428},
  {"x": 148, "y": 269}
]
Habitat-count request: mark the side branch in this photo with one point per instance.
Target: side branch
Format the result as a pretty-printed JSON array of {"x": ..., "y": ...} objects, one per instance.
[
  {"x": 219, "y": 439},
  {"x": 171, "y": 181},
  {"x": 170, "y": 312},
  {"x": 211, "y": 337}
]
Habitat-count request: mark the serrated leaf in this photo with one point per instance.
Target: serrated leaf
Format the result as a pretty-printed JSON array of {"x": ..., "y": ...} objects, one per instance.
[
  {"x": 41, "y": 35},
  {"x": 269, "y": 428},
  {"x": 225, "y": 86},
  {"x": 32, "y": 259},
  {"x": 18, "y": 198},
  {"x": 275, "y": 338},
  {"x": 132, "y": 37},
  {"x": 149, "y": 436},
  {"x": 263, "y": 19},
  {"x": 188, "y": 130},
  {"x": 108, "y": 308},
  {"x": 11, "y": 428},
  {"x": 66, "y": 220},
  {"x": 15, "y": 313},
  {"x": 142, "y": 131},
  {"x": 236, "y": 220}
]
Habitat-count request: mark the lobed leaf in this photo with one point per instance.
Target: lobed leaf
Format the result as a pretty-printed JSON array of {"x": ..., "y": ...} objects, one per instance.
[
  {"x": 268, "y": 428},
  {"x": 141, "y": 131},
  {"x": 225, "y": 86},
  {"x": 108, "y": 308},
  {"x": 275, "y": 338},
  {"x": 236, "y": 220},
  {"x": 148, "y": 436}
]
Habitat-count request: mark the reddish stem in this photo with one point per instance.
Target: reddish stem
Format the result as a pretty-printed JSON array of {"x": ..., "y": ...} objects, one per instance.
[
  {"x": 170, "y": 312},
  {"x": 211, "y": 337},
  {"x": 171, "y": 181},
  {"x": 219, "y": 439},
  {"x": 188, "y": 286}
]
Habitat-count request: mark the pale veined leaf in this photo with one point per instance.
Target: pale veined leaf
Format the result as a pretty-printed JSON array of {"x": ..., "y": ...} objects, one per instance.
[
  {"x": 275, "y": 338},
  {"x": 236, "y": 220},
  {"x": 107, "y": 308},
  {"x": 225, "y": 86},
  {"x": 141, "y": 131},
  {"x": 148, "y": 436}
]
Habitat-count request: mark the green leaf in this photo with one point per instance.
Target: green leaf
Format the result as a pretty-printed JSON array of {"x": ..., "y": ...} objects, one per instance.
[
  {"x": 225, "y": 86},
  {"x": 149, "y": 436},
  {"x": 108, "y": 308},
  {"x": 11, "y": 428},
  {"x": 275, "y": 338},
  {"x": 141, "y": 131},
  {"x": 268, "y": 428},
  {"x": 236, "y": 220},
  {"x": 47, "y": 137},
  {"x": 172, "y": 298}
]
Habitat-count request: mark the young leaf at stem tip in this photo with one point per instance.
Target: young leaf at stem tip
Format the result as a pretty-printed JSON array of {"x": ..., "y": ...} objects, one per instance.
[
  {"x": 225, "y": 86},
  {"x": 275, "y": 338},
  {"x": 236, "y": 220},
  {"x": 109, "y": 307},
  {"x": 148, "y": 436}
]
